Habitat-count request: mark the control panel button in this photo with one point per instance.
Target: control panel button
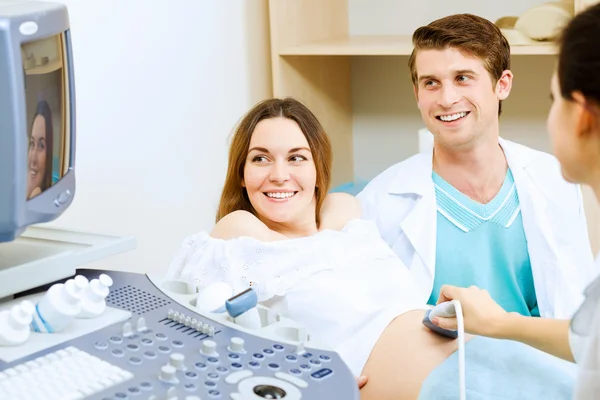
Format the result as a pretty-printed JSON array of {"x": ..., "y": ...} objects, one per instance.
[
  {"x": 176, "y": 360},
  {"x": 191, "y": 375},
  {"x": 141, "y": 325},
  {"x": 321, "y": 374},
  {"x": 236, "y": 345},
  {"x": 200, "y": 366},
  {"x": 209, "y": 347},
  {"x": 268, "y": 352},
  {"x": 213, "y": 375},
  {"x": 127, "y": 330},
  {"x": 167, "y": 373}
]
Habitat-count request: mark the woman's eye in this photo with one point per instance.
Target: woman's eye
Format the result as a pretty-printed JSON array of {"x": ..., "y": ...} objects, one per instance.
[
  {"x": 259, "y": 159},
  {"x": 298, "y": 158}
]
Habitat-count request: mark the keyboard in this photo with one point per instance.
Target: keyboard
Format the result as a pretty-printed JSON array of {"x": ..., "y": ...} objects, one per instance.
[{"x": 67, "y": 374}]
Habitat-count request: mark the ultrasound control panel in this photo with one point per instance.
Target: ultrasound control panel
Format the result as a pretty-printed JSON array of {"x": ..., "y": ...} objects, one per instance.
[{"x": 152, "y": 344}]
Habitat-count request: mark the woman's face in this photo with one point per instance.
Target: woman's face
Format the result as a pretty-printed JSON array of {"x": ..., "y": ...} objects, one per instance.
[
  {"x": 567, "y": 143},
  {"x": 280, "y": 174},
  {"x": 37, "y": 155}
]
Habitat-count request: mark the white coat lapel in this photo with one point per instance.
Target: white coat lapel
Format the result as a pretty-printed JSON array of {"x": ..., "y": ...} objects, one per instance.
[
  {"x": 419, "y": 224},
  {"x": 540, "y": 240}
]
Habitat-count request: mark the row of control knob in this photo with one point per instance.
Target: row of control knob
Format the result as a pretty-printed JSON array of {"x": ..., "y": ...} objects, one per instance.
[
  {"x": 209, "y": 347},
  {"x": 191, "y": 322}
]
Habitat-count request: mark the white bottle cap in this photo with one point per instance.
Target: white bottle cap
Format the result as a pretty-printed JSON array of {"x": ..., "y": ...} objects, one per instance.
[
  {"x": 21, "y": 314},
  {"x": 82, "y": 282},
  {"x": 72, "y": 291},
  {"x": 106, "y": 280},
  {"x": 98, "y": 290}
]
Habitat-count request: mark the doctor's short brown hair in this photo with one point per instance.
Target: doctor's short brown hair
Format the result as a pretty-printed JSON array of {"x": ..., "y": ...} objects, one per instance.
[{"x": 471, "y": 35}]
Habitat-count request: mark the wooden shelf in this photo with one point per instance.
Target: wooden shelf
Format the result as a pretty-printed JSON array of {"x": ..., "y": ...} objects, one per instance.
[
  {"x": 386, "y": 45},
  {"x": 51, "y": 66}
]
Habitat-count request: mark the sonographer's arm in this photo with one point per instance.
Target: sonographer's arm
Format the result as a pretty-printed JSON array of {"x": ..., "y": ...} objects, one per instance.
[{"x": 483, "y": 316}]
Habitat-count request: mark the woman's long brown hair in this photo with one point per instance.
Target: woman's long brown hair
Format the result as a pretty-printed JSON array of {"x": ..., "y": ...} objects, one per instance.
[{"x": 234, "y": 196}]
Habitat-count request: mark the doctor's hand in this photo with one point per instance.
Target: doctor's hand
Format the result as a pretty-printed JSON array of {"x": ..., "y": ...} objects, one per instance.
[{"x": 481, "y": 314}]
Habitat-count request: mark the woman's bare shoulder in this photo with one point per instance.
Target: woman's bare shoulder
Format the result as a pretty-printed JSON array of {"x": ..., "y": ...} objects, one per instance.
[
  {"x": 242, "y": 223},
  {"x": 338, "y": 209}
]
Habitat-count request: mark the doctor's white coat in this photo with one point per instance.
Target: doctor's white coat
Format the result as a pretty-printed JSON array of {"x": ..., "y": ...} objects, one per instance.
[{"x": 401, "y": 200}]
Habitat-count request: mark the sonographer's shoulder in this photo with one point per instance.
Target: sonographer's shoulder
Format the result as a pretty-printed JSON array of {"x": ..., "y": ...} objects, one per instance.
[{"x": 241, "y": 223}]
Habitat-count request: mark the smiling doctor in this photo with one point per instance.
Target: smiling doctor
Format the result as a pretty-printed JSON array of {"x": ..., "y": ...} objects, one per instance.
[{"x": 480, "y": 210}]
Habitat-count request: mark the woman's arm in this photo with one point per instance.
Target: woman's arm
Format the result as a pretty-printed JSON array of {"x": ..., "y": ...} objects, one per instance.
[
  {"x": 484, "y": 317},
  {"x": 242, "y": 223}
]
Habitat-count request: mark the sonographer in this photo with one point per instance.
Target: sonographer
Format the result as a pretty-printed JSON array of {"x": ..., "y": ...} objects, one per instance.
[{"x": 574, "y": 128}]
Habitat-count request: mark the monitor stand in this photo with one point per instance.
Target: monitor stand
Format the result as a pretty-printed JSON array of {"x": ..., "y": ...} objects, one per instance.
[{"x": 41, "y": 256}]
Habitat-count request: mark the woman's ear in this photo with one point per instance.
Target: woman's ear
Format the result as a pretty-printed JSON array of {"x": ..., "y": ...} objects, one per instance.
[{"x": 586, "y": 115}]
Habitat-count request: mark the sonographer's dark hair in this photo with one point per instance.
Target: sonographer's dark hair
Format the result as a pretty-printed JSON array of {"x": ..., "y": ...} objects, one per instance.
[
  {"x": 579, "y": 59},
  {"x": 43, "y": 110}
]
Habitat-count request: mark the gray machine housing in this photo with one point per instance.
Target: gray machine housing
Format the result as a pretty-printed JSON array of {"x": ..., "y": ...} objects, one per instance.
[{"x": 16, "y": 212}]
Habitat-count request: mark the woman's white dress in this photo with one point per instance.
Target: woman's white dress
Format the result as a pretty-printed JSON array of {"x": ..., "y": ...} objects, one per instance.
[{"x": 344, "y": 286}]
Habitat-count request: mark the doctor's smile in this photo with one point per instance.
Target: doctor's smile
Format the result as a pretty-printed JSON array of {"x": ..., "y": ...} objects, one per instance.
[{"x": 452, "y": 116}]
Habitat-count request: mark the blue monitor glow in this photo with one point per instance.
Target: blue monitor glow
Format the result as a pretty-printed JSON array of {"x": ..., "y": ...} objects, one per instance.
[{"x": 37, "y": 115}]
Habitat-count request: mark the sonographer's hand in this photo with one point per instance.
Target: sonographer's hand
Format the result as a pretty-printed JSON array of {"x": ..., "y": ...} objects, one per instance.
[{"x": 481, "y": 314}]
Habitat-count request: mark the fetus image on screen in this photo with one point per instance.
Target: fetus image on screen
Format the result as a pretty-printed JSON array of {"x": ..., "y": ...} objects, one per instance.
[{"x": 39, "y": 157}]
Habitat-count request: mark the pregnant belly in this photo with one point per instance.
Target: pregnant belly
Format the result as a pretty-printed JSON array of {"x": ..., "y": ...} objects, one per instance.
[{"x": 403, "y": 357}]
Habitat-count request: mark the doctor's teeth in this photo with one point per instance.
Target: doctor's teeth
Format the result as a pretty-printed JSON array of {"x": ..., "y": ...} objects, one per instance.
[
  {"x": 279, "y": 195},
  {"x": 453, "y": 117}
]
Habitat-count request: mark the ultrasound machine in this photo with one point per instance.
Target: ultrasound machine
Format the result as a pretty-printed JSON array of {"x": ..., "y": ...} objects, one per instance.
[{"x": 72, "y": 333}]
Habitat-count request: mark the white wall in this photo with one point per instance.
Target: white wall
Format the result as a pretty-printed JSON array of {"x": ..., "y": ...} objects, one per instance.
[
  {"x": 159, "y": 90},
  {"x": 386, "y": 119}
]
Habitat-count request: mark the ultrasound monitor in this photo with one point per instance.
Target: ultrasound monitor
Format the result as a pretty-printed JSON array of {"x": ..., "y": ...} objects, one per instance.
[{"x": 37, "y": 115}]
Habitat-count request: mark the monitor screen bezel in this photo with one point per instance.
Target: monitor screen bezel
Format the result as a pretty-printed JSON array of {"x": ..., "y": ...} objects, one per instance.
[{"x": 16, "y": 212}]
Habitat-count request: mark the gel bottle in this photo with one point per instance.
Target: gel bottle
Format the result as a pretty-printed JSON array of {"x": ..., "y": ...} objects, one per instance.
[{"x": 59, "y": 306}]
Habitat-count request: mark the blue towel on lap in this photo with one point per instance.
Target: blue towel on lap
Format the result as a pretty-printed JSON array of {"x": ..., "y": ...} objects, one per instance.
[{"x": 502, "y": 369}]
